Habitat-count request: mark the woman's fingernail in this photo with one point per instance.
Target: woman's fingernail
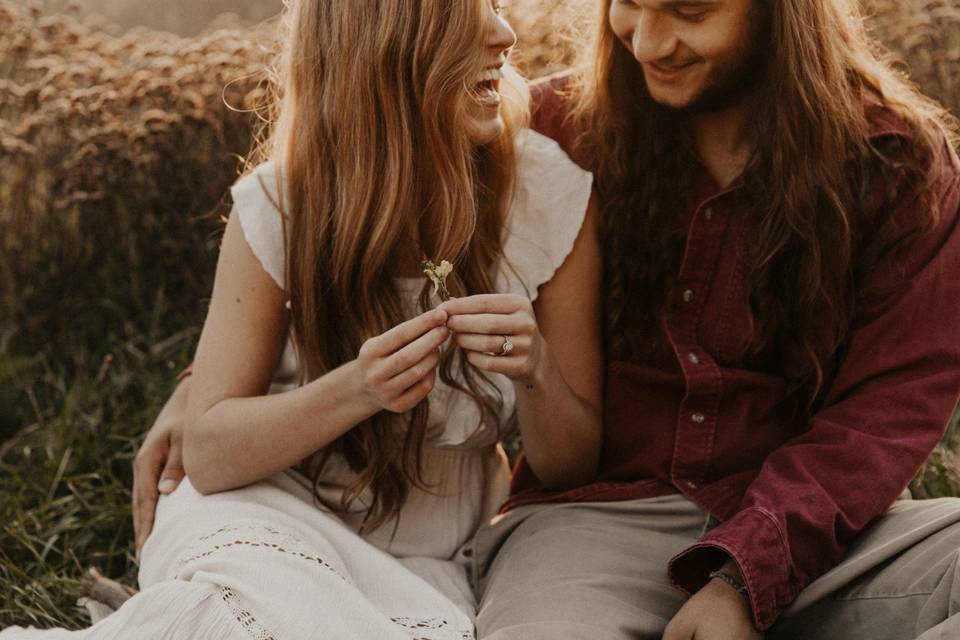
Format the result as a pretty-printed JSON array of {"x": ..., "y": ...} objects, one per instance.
[{"x": 166, "y": 486}]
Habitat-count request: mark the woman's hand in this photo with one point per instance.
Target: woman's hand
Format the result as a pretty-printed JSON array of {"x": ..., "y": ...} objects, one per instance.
[
  {"x": 398, "y": 368},
  {"x": 486, "y": 325},
  {"x": 158, "y": 466}
]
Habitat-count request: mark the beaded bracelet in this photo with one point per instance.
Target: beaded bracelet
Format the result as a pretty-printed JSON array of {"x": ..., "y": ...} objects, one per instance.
[{"x": 730, "y": 580}]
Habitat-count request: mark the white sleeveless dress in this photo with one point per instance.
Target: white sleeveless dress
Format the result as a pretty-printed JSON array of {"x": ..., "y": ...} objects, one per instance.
[{"x": 268, "y": 562}]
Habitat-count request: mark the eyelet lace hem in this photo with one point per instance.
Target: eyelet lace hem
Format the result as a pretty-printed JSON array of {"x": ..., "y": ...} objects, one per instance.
[
  {"x": 259, "y": 535},
  {"x": 246, "y": 619},
  {"x": 253, "y": 534}
]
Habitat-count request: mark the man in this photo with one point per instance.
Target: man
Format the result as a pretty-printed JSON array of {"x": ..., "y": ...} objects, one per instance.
[
  {"x": 782, "y": 259},
  {"x": 782, "y": 250}
]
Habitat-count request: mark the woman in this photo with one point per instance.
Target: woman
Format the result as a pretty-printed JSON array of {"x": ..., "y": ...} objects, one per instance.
[{"x": 342, "y": 504}]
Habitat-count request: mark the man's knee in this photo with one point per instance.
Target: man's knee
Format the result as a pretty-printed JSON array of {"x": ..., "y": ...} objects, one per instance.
[{"x": 558, "y": 614}]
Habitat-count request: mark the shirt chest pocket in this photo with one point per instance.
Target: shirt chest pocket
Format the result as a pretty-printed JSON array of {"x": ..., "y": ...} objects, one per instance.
[{"x": 726, "y": 327}]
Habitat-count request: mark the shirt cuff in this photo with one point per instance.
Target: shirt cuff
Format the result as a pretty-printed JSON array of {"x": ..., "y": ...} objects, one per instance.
[
  {"x": 186, "y": 373},
  {"x": 754, "y": 540}
]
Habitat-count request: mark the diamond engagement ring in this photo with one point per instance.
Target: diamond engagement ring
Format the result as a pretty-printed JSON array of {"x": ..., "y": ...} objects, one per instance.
[{"x": 506, "y": 347}]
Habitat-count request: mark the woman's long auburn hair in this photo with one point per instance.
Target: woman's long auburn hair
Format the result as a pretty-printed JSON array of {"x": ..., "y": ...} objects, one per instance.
[
  {"x": 815, "y": 174},
  {"x": 378, "y": 171}
]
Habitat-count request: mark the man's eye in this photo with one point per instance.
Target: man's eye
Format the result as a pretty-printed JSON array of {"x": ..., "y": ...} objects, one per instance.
[{"x": 690, "y": 15}]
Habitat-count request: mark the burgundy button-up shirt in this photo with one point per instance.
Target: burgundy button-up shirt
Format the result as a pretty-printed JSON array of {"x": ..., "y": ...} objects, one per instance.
[{"x": 694, "y": 415}]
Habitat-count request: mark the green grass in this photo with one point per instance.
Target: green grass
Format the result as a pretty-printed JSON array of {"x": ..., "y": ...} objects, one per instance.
[{"x": 65, "y": 476}]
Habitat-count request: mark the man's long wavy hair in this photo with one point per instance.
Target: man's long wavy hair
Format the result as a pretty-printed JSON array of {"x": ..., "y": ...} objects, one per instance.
[
  {"x": 814, "y": 175},
  {"x": 378, "y": 172}
]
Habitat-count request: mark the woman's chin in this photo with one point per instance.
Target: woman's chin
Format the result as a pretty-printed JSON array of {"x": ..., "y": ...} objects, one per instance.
[{"x": 485, "y": 129}]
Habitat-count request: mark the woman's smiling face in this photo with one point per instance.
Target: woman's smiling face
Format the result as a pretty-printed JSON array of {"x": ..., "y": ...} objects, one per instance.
[{"x": 485, "y": 117}]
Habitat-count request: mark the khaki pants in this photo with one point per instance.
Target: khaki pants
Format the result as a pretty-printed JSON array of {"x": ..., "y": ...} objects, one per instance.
[{"x": 597, "y": 571}]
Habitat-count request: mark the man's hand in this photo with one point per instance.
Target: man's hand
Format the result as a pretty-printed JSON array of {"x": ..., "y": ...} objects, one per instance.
[
  {"x": 716, "y": 612},
  {"x": 158, "y": 467}
]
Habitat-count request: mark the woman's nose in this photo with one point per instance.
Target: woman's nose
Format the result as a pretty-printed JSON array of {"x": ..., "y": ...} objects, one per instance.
[{"x": 501, "y": 35}]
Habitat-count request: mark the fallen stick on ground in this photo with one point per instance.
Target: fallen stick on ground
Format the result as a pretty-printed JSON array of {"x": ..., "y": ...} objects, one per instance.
[{"x": 103, "y": 595}]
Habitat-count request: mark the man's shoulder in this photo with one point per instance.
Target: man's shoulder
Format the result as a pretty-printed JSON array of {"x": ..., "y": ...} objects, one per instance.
[
  {"x": 551, "y": 103},
  {"x": 905, "y": 178},
  {"x": 894, "y": 134},
  {"x": 883, "y": 120},
  {"x": 890, "y": 130}
]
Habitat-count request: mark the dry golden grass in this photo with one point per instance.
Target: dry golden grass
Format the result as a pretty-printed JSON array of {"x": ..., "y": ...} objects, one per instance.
[{"x": 111, "y": 137}]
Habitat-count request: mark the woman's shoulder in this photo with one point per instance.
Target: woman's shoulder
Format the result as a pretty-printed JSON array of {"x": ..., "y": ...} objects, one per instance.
[
  {"x": 259, "y": 187},
  {"x": 257, "y": 201},
  {"x": 548, "y": 207}
]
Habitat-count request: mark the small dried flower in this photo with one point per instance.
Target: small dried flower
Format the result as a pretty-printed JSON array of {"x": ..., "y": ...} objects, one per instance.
[{"x": 438, "y": 276}]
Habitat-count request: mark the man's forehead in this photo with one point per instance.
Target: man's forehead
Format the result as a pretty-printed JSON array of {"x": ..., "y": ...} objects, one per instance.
[{"x": 680, "y": 4}]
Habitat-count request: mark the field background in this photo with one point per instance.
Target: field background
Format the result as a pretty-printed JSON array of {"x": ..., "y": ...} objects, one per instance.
[{"x": 118, "y": 138}]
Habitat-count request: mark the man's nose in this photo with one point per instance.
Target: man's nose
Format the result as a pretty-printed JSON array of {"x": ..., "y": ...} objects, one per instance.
[{"x": 652, "y": 38}]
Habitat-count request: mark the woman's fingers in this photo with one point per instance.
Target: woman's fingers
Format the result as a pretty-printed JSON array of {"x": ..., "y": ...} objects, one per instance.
[
  {"x": 410, "y": 355},
  {"x": 412, "y": 375},
  {"x": 493, "y": 324},
  {"x": 395, "y": 360},
  {"x": 403, "y": 334},
  {"x": 495, "y": 303},
  {"x": 491, "y": 343},
  {"x": 512, "y": 367},
  {"x": 409, "y": 398}
]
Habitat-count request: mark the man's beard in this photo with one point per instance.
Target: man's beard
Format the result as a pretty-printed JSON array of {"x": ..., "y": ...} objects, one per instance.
[{"x": 729, "y": 86}]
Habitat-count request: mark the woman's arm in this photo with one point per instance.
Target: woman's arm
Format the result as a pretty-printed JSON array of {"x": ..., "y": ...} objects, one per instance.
[
  {"x": 556, "y": 363},
  {"x": 235, "y": 434},
  {"x": 560, "y": 411}
]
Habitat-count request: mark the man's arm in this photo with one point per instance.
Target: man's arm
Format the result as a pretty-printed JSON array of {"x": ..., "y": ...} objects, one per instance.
[
  {"x": 890, "y": 400},
  {"x": 158, "y": 466}
]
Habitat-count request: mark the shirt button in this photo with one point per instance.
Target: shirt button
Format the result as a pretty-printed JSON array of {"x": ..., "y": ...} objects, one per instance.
[
  {"x": 691, "y": 484},
  {"x": 688, "y": 295},
  {"x": 698, "y": 418},
  {"x": 693, "y": 358},
  {"x": 708, "y": 213}
]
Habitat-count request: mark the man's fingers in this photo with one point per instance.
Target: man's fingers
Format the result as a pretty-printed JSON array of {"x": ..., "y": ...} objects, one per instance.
[
  {"x": 405, "y": 333},
  {"x": 144, "y": 507},
  {"x": 675, "y": 633},
  {"x": 681, "y": 627},
  {"x": 134, "y": 510},
  {"x": 173, "y": 469},
  {"x": 146, "y": 470}
]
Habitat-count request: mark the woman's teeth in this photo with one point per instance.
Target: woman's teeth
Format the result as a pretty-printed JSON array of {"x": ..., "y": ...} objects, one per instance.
[
  {"x": 488, "y": 75},
  {"x": 487, "y": 87}
]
